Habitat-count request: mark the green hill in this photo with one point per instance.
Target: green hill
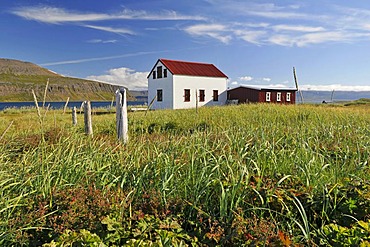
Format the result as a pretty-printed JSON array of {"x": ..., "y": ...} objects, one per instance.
[{"x": 18, "y": 79}]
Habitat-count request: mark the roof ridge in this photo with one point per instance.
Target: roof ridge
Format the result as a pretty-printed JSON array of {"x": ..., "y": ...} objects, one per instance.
[
  {"x": 181, "y": 61},
  {"x": 178, "y": 67}
]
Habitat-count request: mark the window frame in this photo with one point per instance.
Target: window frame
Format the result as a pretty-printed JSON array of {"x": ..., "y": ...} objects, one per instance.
[
  {"x": 202, "y": 95},
  {"x": 159, "y": 95},
  {"x": 288, "y": 96},
  {"x": 215, "y": 95},
  {"x": 187, "y": 95},
  {"x": 159, "y": 72},
  {"x": 278, "y": 96},
  {"x": 164, "y": 73},
  {"x": 154, "y": 74},
  {"x": 268, "y": 96}
]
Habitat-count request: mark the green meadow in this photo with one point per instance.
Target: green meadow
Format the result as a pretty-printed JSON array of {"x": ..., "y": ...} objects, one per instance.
[{"x": 240, "y": 175}]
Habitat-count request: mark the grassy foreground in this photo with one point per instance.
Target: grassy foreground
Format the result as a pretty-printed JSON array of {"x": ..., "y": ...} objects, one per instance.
[{"x": 225, "y": 176}]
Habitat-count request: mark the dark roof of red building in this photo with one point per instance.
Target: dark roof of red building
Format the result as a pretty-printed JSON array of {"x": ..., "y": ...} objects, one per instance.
[{"x": 191, "y": 68}]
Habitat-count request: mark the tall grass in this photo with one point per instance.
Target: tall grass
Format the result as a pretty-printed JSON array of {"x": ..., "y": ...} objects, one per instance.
[{"x": 220, "y": 162}]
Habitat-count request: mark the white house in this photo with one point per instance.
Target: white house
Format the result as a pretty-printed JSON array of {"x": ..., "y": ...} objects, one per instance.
[{"x": 178, "y": 84}]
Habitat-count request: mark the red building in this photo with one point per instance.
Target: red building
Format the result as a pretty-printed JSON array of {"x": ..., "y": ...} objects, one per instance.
[{"x": 251, "y": 94}]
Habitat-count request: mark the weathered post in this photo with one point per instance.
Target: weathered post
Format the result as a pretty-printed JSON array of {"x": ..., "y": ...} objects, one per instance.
[
  {"x": 196, "y": 101},
  {"x": 296, "y": 84},
  {"x": 87, "y": 118},
  {"x": 65, "y": 106},
  {"x": 74, "y": 116},
  {"x": 150, "y": 104},
  {"x": 46, "y": 90},
  {"x": 121, "y": 115}
]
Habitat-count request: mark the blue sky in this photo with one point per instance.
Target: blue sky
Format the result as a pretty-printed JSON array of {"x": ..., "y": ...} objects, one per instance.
[{"x": 253, "y": 42}]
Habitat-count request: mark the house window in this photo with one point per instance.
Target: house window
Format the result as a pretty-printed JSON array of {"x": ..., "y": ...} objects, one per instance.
[
  {"x": 159, "y": 95},
  {"x": 287, "y": 96},
  {"x": 201, "y": 95},
  {"x": 154, "y": 74},
  {"x": 159, "y": 71},
  {"x": 278, "y": 96},
  {"x": 187, "y": 95},
  {"x": 215, "y": 95},
  {"x": 165, "y": 73},
  {"x": 268, "y": 96}
]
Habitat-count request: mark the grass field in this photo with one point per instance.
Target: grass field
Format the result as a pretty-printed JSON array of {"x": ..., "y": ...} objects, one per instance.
[{"x": 236, "y": 175}]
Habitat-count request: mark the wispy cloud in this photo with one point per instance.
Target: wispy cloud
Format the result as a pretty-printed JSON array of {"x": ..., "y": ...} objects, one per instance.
[
  {"x": 111, "y": 29},
  {"x": 297, "y": 28},
  {"x": 246, "y": 78},
  {"x": 267, "y": 10},
  {"x": 57, "y": 15},
  {"x": 216, "y": 31},
  {"x": 124, "y": 77},
  {"x": 96, "y": 41},
  {"x": 84, "y": 60},
  {"x": 337, "y": 24},
  {"x": 161, "y": 16},
  {"x": 251, "y": 36},
  {"x": 54, "y": 15}
]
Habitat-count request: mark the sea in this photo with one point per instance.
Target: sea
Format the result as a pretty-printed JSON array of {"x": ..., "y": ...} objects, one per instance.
[{"x": 61, "y": 105}]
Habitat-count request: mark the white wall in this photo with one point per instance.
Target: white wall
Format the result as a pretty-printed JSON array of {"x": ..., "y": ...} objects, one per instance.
[
  {"x": 167, "y": 89},
  {"x": 195, "y": 83}
]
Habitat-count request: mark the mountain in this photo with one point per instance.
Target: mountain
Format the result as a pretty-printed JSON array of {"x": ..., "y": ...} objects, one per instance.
[{"x": 19, "y": 78}]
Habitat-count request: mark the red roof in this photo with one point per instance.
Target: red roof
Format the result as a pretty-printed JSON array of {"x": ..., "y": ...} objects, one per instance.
[{"x": 192, "y": 68}]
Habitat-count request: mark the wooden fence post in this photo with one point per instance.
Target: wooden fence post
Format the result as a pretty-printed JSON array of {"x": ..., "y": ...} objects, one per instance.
[
  {"x": 87, "y": 118},
  {"x": 150, "y": 104},
  {"x": 65, "y": 106},
  {"x": 74, "y": 116},
  {"x": 296, "y": 84},
  {"x": 196, "y": 101},
  {"x": 121, "y": 115}
]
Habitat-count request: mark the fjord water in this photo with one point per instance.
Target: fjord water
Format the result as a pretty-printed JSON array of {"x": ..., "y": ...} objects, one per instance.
[{"x": 60, "y": 105}]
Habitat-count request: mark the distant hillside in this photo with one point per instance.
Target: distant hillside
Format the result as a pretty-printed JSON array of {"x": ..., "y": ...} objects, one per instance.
[
  {"x": 311, "y": 96},
  {"x": 140, "y": 95},
  {"x": 18, "y": 79}
]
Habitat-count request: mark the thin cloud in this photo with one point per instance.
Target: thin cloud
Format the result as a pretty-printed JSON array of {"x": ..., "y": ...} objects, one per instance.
[
  {"x": 246, "y": 78},
  {"x": 251, "y": 36},
  {"x": 338, "y": 24},
  {"x": 163, "y": 16},
  {"x": 297, "y": 28},
  {"x": 84, "y": 60},
  {"x": 96, "y": 41},
  {"x": 267, "y": 10},
  {"x": 123, "y": 77},
  {"x": 111, "y": 29},
  {"x": 321, "y": 37},
  {"x": 216, "y": 31},
  {"x": 54, "y": 15},
  {"x": 57, "y": 15}
]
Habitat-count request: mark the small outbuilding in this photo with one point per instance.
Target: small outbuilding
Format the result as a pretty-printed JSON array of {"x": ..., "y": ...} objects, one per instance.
[
  {"x": 176, "y": 84},
  {"x": 252, "y": 94}
]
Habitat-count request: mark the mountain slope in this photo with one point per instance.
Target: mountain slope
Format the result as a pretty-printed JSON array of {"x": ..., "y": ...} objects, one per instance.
[{"x": 18, "y": 79}]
